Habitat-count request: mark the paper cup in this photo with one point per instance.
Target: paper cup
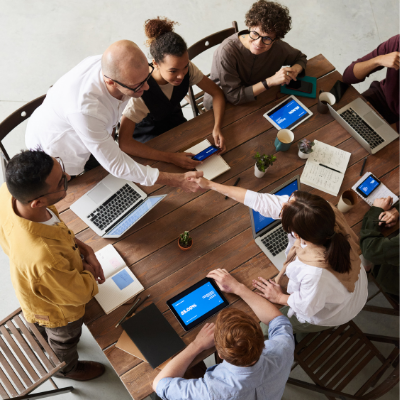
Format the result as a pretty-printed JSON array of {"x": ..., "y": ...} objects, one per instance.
[{"x": 347, "y": 201}]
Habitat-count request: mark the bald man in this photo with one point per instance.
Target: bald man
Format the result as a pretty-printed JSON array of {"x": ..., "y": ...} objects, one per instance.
[{"x": 82, "y": 109}]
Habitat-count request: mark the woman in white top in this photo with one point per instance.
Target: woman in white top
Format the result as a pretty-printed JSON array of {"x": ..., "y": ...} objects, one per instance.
[
  {"x": 158, "y": 109},
  {"x": 327, "y": 285}
]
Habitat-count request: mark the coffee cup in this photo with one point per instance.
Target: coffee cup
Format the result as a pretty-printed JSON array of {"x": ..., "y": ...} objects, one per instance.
[
  {"x": 324, "y": 99},
  {"x": 347, "y": 201},
  {"x": 284, "y": 140}
]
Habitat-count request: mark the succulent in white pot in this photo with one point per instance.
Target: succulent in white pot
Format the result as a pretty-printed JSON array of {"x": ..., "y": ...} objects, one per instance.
[
  {"x": 263, "y": 162},
  {"x": 305, "y": 148}
]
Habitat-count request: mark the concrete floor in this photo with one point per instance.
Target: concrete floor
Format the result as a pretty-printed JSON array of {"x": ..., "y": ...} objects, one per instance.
[{"x": 41, "y": 40}]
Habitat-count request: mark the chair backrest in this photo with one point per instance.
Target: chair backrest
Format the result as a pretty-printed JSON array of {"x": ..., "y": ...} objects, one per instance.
[
  {"x": 201, "y": 46},
  {"x": 16, "y": 118},
  {"x": 211, "y": 41},
  {"x": 23, "y": 363},
  {"x": 334, "y": 357}
]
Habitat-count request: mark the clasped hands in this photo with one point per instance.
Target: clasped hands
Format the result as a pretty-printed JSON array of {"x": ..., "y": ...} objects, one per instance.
[{"x": 389, "y": 216}]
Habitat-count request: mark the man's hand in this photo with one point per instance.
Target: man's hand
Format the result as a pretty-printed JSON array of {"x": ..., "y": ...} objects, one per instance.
[
  {"x": 205, "y": 338},
  {"x": 390, "y": 217},
  {"x": 219, "y": 140},
  {"x": 183, "y": 160},
  {"x": 92, "y": 260},
  {"x": 269, "y": 290},
  {"x": 385, "y": 204},
  {"x": 390, "y": 60},
  {"x": 225, "y": 281},
  {"x": 202, "y": 182}
]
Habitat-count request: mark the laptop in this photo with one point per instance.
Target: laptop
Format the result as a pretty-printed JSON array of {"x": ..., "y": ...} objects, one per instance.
[
  {"x": 365, "y": 125},
  {"x": 113, "y": 206},
  {"x": 268, "y": 233}
]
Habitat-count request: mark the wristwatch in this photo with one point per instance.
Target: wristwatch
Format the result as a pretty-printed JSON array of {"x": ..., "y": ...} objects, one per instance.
[{"x": 265, "y": 84}]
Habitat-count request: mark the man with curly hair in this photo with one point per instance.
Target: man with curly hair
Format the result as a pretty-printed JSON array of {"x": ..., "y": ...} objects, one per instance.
[
  {"x": 252, "y": 368},
  {"x": 251, "y": 61}
]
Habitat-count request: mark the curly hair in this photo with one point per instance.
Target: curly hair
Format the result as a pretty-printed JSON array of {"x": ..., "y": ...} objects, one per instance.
[
  {"x": 162, "y": 39},
  {"x": 26, "y": 174},
  {"x": 238, "y": 337},
  {"x": 270, "y": 17}
]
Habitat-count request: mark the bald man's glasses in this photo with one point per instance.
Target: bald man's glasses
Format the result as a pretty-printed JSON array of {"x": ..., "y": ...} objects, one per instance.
[{"x": 138, "y": 87}]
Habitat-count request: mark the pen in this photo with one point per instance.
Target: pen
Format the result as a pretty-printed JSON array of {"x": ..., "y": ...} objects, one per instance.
[
  {"x": 235, "y": 184},
  {"x": 322, "y": 165},
  {"x": 130, "y": 312},
  {"x": 378, "y": 220},
  {"x": 134, "y": 304},
  {"x": 362, "y": 168}
]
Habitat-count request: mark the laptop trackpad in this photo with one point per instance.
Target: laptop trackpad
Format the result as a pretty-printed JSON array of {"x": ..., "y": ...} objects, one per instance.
[
  {"x": 99, "y": 193},
  {"x": 372, "y": 119}
]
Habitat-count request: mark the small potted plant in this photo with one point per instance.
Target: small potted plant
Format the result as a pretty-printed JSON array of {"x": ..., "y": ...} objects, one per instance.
[
  {"x": 262, "y": 164},
  {"x": 305, "y": 148},
  {"x": 185, "y": 241}
]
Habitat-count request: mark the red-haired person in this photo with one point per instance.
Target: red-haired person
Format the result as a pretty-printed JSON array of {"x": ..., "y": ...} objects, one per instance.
[
  {"x": 327, "y": 285},
  {"x": 252, "y": 61},
  {"x": 252, "y": 368},
  {"x": 159, "y": 108}
]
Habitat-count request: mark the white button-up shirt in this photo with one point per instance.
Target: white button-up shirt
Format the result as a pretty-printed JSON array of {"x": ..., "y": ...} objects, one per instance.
[
  {"x": 77, "y": 118},
  {"x": 316, "y": 295}
]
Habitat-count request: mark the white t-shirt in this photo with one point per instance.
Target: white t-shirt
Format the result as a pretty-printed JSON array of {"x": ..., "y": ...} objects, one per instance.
[
  {"x": 77, "y": 118},
  {"x": 53, "y": 220},
  {"x": 136, "y": 110},
  {"x": 316, "y": 295}
]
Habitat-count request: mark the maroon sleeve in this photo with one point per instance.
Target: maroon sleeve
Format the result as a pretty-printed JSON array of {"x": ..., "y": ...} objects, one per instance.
[{"x": 387, "y": 47}]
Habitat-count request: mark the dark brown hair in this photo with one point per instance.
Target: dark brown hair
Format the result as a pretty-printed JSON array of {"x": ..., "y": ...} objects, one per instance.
[
  {"x": 270, "y": 17},
  {"x": 162, "y": 39},
  {"x": 238, "y": 337},
  {"x": 312, "y": 218}
]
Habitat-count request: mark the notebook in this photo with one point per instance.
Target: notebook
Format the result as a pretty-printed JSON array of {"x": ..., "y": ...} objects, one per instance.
[
  {"x": 120, "y": 285},
  {"x": 381, "y": 191},
  {"x": 154, "y": 339},
  {"x": 213, "y": 166},
  {"x": 325, "y": 168}
]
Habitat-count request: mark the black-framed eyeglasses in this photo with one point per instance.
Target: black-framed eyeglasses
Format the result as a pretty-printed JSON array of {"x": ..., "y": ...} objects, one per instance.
[
  {"x": 138, "y": 87},
  {"x": 64, "y": 178},
  {"x": 265, "y": 39}
]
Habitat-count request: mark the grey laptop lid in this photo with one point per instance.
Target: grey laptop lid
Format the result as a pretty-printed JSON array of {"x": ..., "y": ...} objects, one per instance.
[{"x": 260, "y": 225}]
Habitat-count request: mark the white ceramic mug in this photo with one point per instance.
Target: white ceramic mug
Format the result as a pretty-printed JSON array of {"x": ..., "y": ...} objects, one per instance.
[{"x": 324, "y": 99}]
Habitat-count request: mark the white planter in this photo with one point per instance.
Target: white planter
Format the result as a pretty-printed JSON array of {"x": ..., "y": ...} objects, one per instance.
[
  {"x": 302, "y": 155},
  {"x": 257, "y": 172}
]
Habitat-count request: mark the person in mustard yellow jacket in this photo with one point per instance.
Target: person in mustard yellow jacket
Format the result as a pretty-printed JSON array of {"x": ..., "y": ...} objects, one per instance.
[{"x": 53, "y": 273}]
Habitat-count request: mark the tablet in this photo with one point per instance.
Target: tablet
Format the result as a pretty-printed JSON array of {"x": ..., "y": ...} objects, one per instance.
[
  {"x": 288, "y": 114},
  {"x": 197, "y": 303}
]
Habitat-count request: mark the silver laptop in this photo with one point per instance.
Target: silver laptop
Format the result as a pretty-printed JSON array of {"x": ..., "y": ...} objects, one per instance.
[
  {"x": 365, "y": 125},
  {"x": 113, "y": 206},
  {"x": 268, "y": 233}
]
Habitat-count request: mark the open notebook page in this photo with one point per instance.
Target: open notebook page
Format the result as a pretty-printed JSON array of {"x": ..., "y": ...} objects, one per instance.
[
  {"x": 110, "y": 260},
  {"x": 330, "y": 156}
]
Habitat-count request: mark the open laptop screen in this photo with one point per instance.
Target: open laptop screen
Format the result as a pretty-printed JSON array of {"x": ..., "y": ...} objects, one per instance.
[{"x": 261, "y": 222}]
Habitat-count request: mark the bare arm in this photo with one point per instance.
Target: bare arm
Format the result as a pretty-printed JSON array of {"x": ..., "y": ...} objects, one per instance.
[
  {"x": 217, "y": 94},
  {"x": 177, "y": 367},
  {"x": 134, "y": 148},
  {"x": 264, "y": 310}
]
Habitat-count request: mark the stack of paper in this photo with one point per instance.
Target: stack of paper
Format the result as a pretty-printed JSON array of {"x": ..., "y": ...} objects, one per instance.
[
  {"x": 325, "y": 168},
  {"x": 213, "y": 166},
  {"x": 120, "y": 285}
]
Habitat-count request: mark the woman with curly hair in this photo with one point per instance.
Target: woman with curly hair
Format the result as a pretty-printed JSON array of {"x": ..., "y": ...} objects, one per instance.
[
  {"x": 158, "y": 109},
  {"x": 251, "y": 61}
]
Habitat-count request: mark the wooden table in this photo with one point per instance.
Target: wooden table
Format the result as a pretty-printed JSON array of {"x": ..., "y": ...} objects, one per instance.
[{"x": 220, "y": 228}]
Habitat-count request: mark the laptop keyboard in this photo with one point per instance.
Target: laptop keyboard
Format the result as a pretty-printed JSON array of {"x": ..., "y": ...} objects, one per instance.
[
  {"x": 362, "y": 128},
  {"x": 276, "y": 241},
  {"x": 113, "y": 207}
]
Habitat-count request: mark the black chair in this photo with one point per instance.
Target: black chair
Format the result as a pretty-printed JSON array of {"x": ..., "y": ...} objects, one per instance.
[
  {"x": 196, "y": 101},
  {"x": 12, "y": 121}
]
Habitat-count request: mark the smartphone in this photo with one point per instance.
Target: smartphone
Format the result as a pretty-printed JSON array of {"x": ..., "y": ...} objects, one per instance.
[
  {"x": 300, "y": 86},
  {"x": 208, "y": 152},
  {"x": 339, "y": 89},
  {"x": 368, "y": 186}
]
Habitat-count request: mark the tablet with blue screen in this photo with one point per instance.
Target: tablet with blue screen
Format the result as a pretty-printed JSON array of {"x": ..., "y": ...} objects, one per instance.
[
  {"x": 288, "y": 114},
  {"x": 197, "y": 303}
]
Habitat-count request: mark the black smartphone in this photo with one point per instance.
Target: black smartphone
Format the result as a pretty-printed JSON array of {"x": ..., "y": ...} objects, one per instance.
[
  {"x": 338, "y": 90},
  {"x": 366, "y": 187},
  {"x": 300, "y": 86},
  {"x": 208, "y": 152}
]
